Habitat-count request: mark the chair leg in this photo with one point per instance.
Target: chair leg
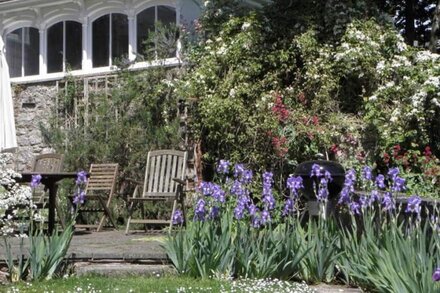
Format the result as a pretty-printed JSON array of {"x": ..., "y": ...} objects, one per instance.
[
  {"x": 130, "y": 212},
  {"x": 172, "y": 213},
  {"x": 107, "y": 214},
  {"x": 142, "y": 204},
  {"x": 57, "y": 207}
]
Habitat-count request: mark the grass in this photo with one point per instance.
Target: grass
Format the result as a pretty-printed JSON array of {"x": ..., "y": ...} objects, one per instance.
[
  {"x": 95, "y": 284},
  {"x": 124, "y": 284}
]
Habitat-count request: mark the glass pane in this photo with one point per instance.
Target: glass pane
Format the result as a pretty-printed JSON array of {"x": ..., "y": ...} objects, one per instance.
[
  {"x": 14, "y": 52},
  {"x": 100, "y": 36},
  {"x": 31, "y": 52},
  {"x": 73, "y": 45},
  {"x": 55, "y": 48},
  {"x": 166, "y": 14},
  {"x": 119, "y": 36},
  {"x": 145, "y": 23},
  {"x": 167, "y": 43}
]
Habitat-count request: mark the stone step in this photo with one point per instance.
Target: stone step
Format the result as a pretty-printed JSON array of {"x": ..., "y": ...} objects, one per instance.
[{"x": 122, "y": 269}]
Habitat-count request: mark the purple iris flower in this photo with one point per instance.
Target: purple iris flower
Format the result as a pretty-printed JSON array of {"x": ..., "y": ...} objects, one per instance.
[
  {"x": 246, "y": 176},
  {"x": 238, "y": 170},
  {"x": 354, "y": 208},
  {"x": 413, "y": 205},
  {"x": 239, "y": 211},
  {"x": 351, "y": 175},
  {"x": 388, "y": 202},
  {"x": 267, "y": 178},
  {"x": 294, "y": 184},
  {"x": 323, "y": 190},
  {"x": 436, "y": 275},
  {"x": 214, "y": 213},
  {"x": 364, "y": 201},
  {"x": 344, "y": 198},
  {"x": 199, "y": 212},
  {"x": 218, "y": 193},
  {"x": 316, "y": 171},
  {"x": 374, "y": 196},
  {"x": 223, "y": 167},
  {"x": 79, "y": 197},
  {"x": 269, "y": 202},
  {"x": 393, "y": 172},
  {"x": 252, "y": 209},
  {"x": 398, "y": 184},
  {"x": 289, "y": 207},
  {"x": 367, "y": 173},
  {"x": 265, "y": 217},
  {"x": 206, "y": 188},
  {"x": 81, "y": 177},
  {"x": 237, "y": 188},
  {"x": 328, "y": 176},
  {"x": 256, "y": 220},
  {"x": 380, "y": 181},
  {"x": 36, "y": 180},
  {"x": 177, "y": 217}
]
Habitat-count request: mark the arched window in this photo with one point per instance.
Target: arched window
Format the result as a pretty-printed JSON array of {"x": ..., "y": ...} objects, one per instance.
[
  {"x": 64, "y": 46},
  {"x": 22, "y": 52},
  {"x": 110, "y": 39},
  {"x": 146, "y": 22}
]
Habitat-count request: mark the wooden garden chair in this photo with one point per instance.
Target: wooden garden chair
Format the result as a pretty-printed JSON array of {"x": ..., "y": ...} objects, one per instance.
[
  {"x": 164, "y": 180},
  {"x": 100, "y": 189},
  {"x": 46, "y": 163},
  {"x": 13, "y": 152}
]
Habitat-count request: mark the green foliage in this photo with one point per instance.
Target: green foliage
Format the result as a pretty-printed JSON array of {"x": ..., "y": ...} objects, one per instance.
[
  {"x": 391, "y": 257},
  {"x": 322, "y": 241},
  {"x": 161, "y": 43},
  {"x": 140, "y": 114},
  {"x": 229, "y": 248},
  {"x": 279, "y": 86},
  {"x": 47, "y": 252}
]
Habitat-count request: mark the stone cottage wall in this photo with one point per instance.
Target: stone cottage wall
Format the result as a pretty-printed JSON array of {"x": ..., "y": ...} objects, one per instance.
[{"x": 32, "y": 108}]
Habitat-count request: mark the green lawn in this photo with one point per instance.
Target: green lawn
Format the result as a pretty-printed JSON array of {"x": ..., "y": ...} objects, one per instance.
[
  {"x": 95, "y": 284},
  {"x": 123, "y": 284}
]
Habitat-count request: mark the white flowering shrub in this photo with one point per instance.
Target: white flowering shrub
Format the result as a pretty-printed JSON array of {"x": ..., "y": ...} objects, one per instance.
[{"x": 15, "y": 200}]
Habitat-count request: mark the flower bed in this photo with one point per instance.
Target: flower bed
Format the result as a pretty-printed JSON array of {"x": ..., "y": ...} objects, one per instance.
[{"x": 242, "y": 228}]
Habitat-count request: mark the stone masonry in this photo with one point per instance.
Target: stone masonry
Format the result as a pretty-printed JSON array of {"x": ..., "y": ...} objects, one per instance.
[{"x": 32, "y": 108}]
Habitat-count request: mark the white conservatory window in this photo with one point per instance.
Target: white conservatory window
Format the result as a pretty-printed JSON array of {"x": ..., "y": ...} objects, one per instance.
[
  {"x": 22, "y": 52},
  {"x": 64, "y": 46},
  {"x": 110, "y": 39},
  {"x": 145, "y": 24}
]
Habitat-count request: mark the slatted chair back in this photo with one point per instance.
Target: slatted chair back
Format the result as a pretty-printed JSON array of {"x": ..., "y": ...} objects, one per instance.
[
  {"x": 48, "y": 163},
  {"x": 162, "y": 167},
  {"x": 13, "y": 159},
  {"x": 99, "y": 191},
  {"x": 102, "y": 178}
]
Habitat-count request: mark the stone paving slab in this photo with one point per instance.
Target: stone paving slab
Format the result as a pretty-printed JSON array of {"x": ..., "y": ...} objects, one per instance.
[{"x": 113, "y": 245}]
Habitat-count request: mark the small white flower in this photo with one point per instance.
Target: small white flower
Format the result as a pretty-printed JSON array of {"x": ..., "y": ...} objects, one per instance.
[{"x": 245, "y": 26}]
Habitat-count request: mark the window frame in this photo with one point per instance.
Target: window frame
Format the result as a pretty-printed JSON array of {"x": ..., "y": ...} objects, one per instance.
[
  {"x": 155, "y": 5},
  {"x": 110, "y": 38},
  {"x": 64, "y": 61},
  {"x": 85, "y": 15},
  {"x": 22, "y": 48}
]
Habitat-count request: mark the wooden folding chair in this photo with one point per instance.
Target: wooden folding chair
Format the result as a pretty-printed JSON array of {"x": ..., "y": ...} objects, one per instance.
[
  {"x": 46, "y": 163},
  {"x": 99, "y": 191},
  {"x": 163, "y": 181},
  {"x": 13, "y": 160}
]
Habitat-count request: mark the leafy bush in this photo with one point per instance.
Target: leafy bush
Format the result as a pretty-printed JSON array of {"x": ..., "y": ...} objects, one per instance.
[
  {"x": 278, "y": 86},
  {"x": 237, "y": 231},
  {"x": 140, "y": 114}
]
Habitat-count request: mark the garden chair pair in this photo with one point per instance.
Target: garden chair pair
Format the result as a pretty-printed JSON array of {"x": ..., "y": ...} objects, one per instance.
[
  {"x": 100, "y": 190},
  {"x": 164, "y": 181}
]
